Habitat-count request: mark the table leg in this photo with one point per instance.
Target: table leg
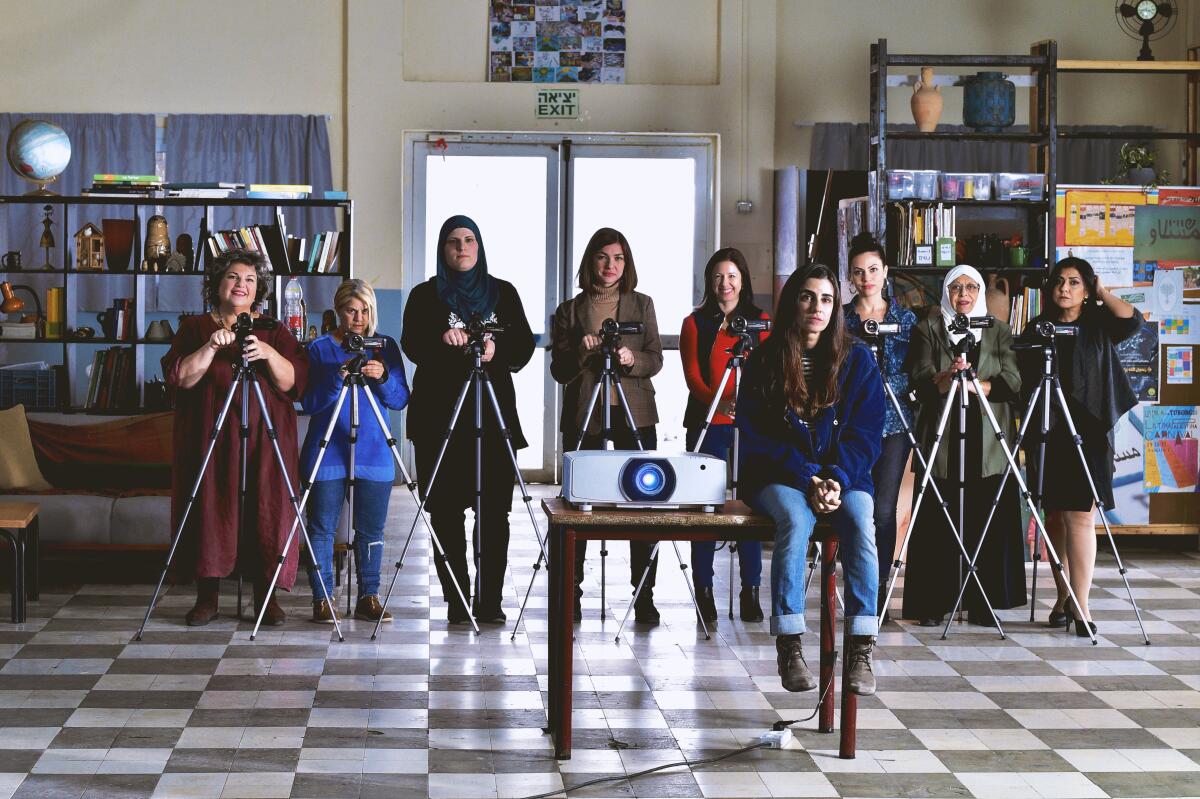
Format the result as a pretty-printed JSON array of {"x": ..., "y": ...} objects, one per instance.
[
  {"x": 553, "y": 586},
  {"x": 848, "y": 743},
  {"x": 566, "y": 644},
  {"x": 828, "y": 633},
  {"x": 33, "y": 556}
]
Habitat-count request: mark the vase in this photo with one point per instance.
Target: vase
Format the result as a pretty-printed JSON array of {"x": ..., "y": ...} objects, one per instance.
[
  {"x": 989, "y": 102},
  {"x": 118, "y": 243},
  {"x": 997, "y": 297},
  {"x": 926, "y": 102},
  {"x": 1140, "y": 176}
]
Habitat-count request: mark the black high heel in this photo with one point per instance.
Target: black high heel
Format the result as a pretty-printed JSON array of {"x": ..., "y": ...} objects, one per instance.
[
  {"x": 1059, "y": 618},
  {"x": 1081, "y": 628}
]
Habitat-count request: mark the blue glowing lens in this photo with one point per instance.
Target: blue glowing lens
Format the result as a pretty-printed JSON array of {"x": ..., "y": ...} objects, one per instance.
[{"x": 650, "y": 478}]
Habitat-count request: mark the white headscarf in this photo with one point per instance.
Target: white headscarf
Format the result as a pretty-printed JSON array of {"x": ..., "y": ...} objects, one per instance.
[{"x": 978, "y": 309}]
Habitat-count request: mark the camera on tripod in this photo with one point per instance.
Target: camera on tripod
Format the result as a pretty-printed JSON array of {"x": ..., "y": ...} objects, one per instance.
[
  {"x": 961, "y": 323},
  {"x": 740, "y": 325},
  {"x": 1047, "y": 330},
  {"x": 359, "y": 343},
  {"x": 611, "y": 331},
  {"x": 875, "y": 329},
  {"x": 478, "y": 327},
  {"x": 247, "y": 324}
]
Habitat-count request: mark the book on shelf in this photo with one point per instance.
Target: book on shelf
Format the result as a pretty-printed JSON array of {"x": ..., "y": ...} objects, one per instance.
[
  {"x": 108, "y": 177},
  {"x": 335, "y": 195},
  {"x": 302, "y": 188},
  {"x": 203, "y": 184},
  {"x": 276, "y": 195},
  {"x": 1026, "y": 305},
  {"x": 265, "y": 239},
  {"x": 113, "y": 380},
  {"x": 919, "y": 227},
  {"x": 201, "y": 194}
]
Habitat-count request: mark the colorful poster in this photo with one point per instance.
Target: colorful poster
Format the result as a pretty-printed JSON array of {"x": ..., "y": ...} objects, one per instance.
[
  {"x": 1172, "y": 449},
  {"x": 1100, "y": 218},
  {"x": 1132, "y": 504},
  {"x": 1167, "y": 234},
  {"x": 556, "y": 41},
  {"x": 1139, "y": 356},
  {"x": 1179, "y": 366},
  {"x": 1113, "y": 265}
]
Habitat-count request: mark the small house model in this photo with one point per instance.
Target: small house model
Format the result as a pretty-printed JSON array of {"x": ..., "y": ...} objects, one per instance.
[{"x": 89, "y": 247}]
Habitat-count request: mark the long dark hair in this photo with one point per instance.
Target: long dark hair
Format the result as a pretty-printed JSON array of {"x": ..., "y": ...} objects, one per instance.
[
  {"x": 862, "y": 244},
  {"x": 1086, "y": 273},
  {"x": 735, "y": 257},
  {"x": 603, "y": 237},
  {"x": 780, "y": 355}
]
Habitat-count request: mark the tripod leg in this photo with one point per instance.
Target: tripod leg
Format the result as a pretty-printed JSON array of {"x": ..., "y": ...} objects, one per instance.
[
  {"x": 637, "y": 438},
  {"x": 732, "y": 550},
  {"x": 712, "y": 407},
  {"x": 287, "y": 480},
  {"x": 212, "y": 445},
  {"x": 587, "y": 417},
  {"x": 1062, "y": 404},
  {"x": 411, "y": 485},
  {"x": 638, "y": 590},
  {"x": 691, "y": 590},
  {"x": 1054, "y": 559}
]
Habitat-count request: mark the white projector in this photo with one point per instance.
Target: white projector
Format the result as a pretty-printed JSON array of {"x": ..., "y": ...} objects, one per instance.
[{"x": 636, "y": 479}]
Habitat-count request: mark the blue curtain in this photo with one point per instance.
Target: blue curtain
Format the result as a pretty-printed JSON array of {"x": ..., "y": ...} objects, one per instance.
[
  {"x": 119, "y": 143},
  {"x": 250, "y": 148}
]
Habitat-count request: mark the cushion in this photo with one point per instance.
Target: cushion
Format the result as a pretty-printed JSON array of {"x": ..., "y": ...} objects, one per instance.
[{"x": 18, "y": 465}]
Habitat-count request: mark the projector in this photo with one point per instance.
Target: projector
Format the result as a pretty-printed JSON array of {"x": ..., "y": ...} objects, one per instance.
[{"x": 637, "y": 479}]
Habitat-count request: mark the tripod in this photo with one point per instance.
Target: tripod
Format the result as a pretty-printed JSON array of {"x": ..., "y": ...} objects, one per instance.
[
  {"x": 245, "y": 378},
  {"x": 1049, "y": 388},
  {"x": 477, "y": 381},
  {"x": 738, "y": 354}
]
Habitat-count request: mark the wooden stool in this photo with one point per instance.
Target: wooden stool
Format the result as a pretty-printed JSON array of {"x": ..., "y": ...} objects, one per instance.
[
  {"x": 827, "y": 538},
  {"x": 22, "y": 518}
]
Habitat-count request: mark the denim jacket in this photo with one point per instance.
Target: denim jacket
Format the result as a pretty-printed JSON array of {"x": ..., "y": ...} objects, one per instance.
[
  {"x": 841, "y": 442},
  {"x": 895, "y": 351}
]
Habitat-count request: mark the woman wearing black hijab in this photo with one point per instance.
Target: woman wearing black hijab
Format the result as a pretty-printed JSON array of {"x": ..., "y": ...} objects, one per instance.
[{"x": 434, "y": 338}]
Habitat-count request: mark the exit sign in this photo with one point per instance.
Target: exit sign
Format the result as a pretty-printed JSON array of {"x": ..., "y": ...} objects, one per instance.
[{"x": 557, "y": 103}]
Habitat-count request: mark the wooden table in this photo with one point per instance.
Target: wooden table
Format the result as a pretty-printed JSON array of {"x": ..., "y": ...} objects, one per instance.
[
  {"x": 22, "y": 519},
  {"x": 733, "y": 522}
]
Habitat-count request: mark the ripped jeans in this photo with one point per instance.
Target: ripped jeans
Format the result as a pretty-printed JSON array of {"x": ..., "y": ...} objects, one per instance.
[{"x": 324, "y": 510}]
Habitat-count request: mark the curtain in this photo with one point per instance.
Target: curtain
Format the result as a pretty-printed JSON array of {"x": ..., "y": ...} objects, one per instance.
[
  {"x": 116, "y": 143},
  {"x": 250, "y": 148},
  {"x": 845, "y": 145}
]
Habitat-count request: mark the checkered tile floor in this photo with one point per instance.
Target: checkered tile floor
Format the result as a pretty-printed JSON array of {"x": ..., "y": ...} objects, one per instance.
[{"x": 434, "y": 711}]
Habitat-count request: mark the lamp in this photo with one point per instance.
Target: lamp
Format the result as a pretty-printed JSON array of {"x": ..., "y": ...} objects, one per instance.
[{"x": 13, "y": 304}]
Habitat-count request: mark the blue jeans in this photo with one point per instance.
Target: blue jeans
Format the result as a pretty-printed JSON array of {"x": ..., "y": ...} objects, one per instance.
[
  {"x": 370, "y": 511},
  {"x": 887, "y": 476},
  {"x": 718, "y": 441},
  {"x": 794, "y": 520}
]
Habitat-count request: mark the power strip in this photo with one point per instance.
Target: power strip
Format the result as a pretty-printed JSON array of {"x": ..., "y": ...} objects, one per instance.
[{"x": 777, "y": 739}]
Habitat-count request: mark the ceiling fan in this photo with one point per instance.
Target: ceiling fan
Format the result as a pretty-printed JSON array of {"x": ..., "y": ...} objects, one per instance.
[{"x": 1146, "y": 20}]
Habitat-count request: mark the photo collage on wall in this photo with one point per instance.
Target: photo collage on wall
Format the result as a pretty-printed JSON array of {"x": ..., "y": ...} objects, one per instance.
[{"x": 556, "y": 41}]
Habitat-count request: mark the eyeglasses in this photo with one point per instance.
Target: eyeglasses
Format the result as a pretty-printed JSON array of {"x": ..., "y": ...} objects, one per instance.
[{"x": 969, "y": 289}]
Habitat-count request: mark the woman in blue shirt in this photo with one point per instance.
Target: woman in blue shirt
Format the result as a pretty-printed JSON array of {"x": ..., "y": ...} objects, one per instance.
[
  {"x": 374, "y": 468},
  {"x": 868, "y": 275}
]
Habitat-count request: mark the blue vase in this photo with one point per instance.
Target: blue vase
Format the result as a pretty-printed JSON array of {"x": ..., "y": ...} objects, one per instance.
[{"x": 989, "y": 102}]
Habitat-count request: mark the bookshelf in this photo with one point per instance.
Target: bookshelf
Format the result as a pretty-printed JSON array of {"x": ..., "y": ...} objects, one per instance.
[{"x": 84, "y": 291}]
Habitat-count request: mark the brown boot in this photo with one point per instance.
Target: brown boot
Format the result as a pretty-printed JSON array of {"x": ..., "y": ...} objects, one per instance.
[
  {"x": 322, "y": 613},
  {"x": 274, "y": 615},
  {"x": 369, "y": 609},
  {"x": 205, "y": 609}
]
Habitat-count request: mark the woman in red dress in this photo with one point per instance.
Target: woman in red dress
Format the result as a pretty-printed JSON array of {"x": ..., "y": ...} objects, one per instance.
[{"x": 200, "y": 366}]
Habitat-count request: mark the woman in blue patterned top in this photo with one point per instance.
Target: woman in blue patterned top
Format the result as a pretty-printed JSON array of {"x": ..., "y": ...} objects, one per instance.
[
  {"x": 374, "y": 469},
  {"x": 868, "y": 275}
]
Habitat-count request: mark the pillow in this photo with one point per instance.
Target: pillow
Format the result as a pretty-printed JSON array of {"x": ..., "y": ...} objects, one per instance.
[{"x": 18, "y": 466}]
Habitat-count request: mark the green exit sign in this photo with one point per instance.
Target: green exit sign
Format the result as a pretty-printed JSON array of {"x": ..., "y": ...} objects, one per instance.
[{"x": 557, "y": 103}]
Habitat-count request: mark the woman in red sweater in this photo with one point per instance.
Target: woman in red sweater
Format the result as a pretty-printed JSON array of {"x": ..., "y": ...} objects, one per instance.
[{"x": 704, "y": 345}]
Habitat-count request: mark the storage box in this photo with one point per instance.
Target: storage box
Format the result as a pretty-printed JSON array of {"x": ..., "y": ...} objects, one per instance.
[
  {"x": 925, "y": 184},
  {"x": 1020, "y": 185},
  {"x": 901, "y": 185},
  {"x": 36, "y": 389},
  {"x": 966, "y": 185}
]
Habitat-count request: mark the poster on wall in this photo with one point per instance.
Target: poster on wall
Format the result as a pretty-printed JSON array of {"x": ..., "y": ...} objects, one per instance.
[
  {"x": 1113, "y": 265},
  {"x": 1099, "y": 218},
  {"x": 1171, "y": 448},
  {"x": 1167, "y": 234},
  {"x": 556, "y": 41},
  {"x": 1179, "y": 366},
  {"x": 1132, "y": 504},
  {"x": 1139, "y": 355}
]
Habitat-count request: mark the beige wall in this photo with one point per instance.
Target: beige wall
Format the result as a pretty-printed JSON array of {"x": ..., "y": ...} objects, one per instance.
[{"x": 746, "y": 70}]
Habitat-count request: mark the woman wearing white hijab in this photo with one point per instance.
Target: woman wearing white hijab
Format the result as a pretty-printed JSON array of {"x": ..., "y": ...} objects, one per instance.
[{"x": 932, "y": 579}]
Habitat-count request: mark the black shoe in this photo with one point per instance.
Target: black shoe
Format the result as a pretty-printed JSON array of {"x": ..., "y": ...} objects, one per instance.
[
  {"x": 490, "y": 616},
  {"x": 748, "y": 603},
  {"x": 860, "y": 677},
  {"x": 644, "y": 611},
  {"x": 1081, "y": 628},
  {"x": 578, "y": 610},
  {"x": 930, "y": 622},
  {"x": 980, "y": 619},
  {"x": 793, "y": 671},
  {"x": 456, "y": 613},
  {"x": 707, "y": 604},
  {"x": 1059, "y": 618}
]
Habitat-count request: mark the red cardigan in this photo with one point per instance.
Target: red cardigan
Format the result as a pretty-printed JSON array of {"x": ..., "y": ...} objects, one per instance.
[{"x": 718, "y": 357}]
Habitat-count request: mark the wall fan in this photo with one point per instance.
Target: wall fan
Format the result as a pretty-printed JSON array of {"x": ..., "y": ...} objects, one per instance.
[{"x": 1146, "y": 20}]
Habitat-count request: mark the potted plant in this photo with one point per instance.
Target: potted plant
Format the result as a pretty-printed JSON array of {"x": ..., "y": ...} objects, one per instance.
[{"x": 1137, "y": 165}]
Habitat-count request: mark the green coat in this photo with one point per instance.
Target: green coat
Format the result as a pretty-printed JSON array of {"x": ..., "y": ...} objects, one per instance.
[{"x": 930, "y": 353}]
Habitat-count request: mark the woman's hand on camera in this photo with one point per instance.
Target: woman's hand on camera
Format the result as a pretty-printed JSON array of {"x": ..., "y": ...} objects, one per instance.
[
  {"x": 625, "y": 356},
  {"x": 373, "y": 369},
  {"x": 221, "y": 338},
  {"x": 943, "y": 380},
  {"x": 489, "y": 351},
  {"x": 590, "y": 343},
  {"x": 455, "y": 337},
  {"x": 256, "y": 350}
]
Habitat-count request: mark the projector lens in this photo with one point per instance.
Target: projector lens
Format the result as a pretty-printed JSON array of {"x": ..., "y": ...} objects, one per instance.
[{"x": 648, "y": 479}]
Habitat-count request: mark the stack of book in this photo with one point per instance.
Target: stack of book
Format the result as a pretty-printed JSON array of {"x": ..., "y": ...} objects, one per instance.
[
  {"x": 109, "y": 185},
  {"x": 113, "y": 382},
  {"x": 1026, "y": 304},
  {"x": 278, "y": 191},
  {"x": 202, "y": 190},
  {"x": 265, "y": 239},
  {"x": 322, "y": 255}
]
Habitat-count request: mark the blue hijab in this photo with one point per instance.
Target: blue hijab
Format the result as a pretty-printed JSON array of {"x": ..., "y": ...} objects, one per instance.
[{"x": 467, "y": 293}]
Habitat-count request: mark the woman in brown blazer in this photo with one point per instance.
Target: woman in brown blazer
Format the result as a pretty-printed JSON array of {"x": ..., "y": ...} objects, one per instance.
[{"x": 607, "y": 278}]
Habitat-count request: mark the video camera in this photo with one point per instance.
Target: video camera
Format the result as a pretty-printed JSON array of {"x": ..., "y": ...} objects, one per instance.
[
  {"x": 245, "y": 324},
  {"x": 740, "y": 325},
  {"x": 611, "y": 331},
  {"x": 358, "y": 343},
  {"x": 875, "y": 329},
  {"x": 477, "y": 327},
  {"x": 1047, "y": 330},
  {"x": 961, "y": 323}
]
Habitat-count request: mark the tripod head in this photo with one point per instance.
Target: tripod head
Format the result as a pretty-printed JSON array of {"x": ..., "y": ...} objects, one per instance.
[
  {"x": 245, "y": 325},
  {"x": 745, "y": 329},
  {"x": 963, "y": 324},
  {"x": 611, "y": 331},
  {"x": 479, "y": 331}
]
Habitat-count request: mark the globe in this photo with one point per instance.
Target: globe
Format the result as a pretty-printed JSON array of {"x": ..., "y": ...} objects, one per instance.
[{"x": 39, "y": 152}]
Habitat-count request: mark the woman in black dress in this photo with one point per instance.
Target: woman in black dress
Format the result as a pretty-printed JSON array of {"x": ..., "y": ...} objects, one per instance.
[{"x": 1098, "y": 393}]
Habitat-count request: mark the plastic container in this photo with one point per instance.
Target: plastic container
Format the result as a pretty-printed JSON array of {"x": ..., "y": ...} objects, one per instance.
[
  {"x": 966, "y": 185},
  {"x": 925, "y": 184},
  {"x": 36, "y": 389},
  {"x": 901, "y": 184},
  {"x": 1020, "y": 185}
]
